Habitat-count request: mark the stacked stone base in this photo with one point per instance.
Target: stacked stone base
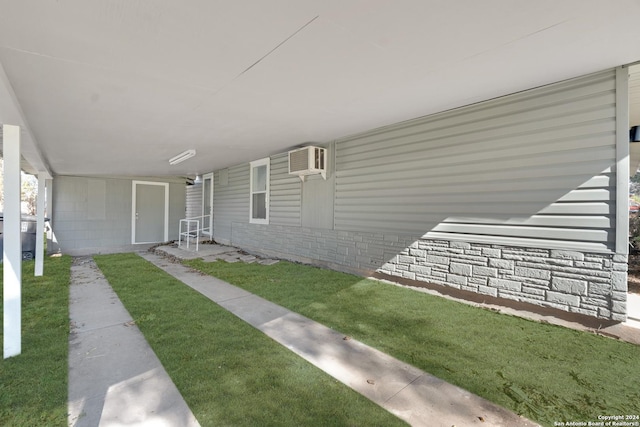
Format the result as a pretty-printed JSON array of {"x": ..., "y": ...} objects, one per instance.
[{"x": 592, "y": 284}]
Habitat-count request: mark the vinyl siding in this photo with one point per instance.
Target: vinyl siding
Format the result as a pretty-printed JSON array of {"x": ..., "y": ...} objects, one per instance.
[
  {"x": 284, "y": 199},
  {"x": 535, "y": 168},
  {"x": 230, "y": 201},
  {"x": 318, "y": 196},
  {"x": 82, "y": 224},
  {"x": 193, "y": 200},
  {"x": 176, "y": 207}
]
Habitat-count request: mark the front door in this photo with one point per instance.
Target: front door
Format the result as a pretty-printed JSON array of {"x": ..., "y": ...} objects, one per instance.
[
  {"x": 150, "y": 216},
  {"x": 207, "y": 204}
]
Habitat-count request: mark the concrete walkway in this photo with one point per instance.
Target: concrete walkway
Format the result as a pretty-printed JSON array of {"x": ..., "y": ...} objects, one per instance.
[
  {"x": 411, "y": 394},
  {"x": 115, "y": 378}
]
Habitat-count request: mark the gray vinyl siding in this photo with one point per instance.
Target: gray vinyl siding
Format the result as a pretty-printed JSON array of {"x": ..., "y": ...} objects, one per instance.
[
  {"x": 230, "y": 201},
  {"x": 94, "y": 214},
  {"x": 176, "y": 208},
  {"x": 193, "y": 200},
  {"x": 284, "y": 199},
  {"x": 535, "y": 168},
  {"x": 73, "y": 225},
  {"x": 318, "y": 196}
]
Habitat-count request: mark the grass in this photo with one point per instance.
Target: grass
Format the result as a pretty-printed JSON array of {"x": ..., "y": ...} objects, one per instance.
[
  {"x": 229, "y": 373},
  {"x": 33, "y": 385},
  {"x": 544, "y": 372}
]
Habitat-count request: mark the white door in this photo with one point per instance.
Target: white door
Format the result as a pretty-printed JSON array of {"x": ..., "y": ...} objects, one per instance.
[
  {"x": 150, "y": 214},
  {"x": 207, "y": 204}
]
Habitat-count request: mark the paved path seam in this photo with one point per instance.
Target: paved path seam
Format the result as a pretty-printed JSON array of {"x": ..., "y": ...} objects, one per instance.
[
  {"x": 97, "y": 328},
  {"x": 403, "y": 388},
  {"x": 411, "y": 394}
]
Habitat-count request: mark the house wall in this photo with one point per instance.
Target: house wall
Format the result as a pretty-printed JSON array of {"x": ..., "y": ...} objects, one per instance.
[
  {"x": 230, "y": 201},
  {"x": 539, "y": 165},
  {"x": 513, "y": 197},
  {"x": 285, "y": 196},
  {"x": 94, "y": 214},
  {"x": 193, "y": 203},
  {"x": 193, "y": 200}
]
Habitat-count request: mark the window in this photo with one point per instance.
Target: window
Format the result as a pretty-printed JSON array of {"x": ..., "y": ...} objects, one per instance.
[{"x": 259, "y": 202}]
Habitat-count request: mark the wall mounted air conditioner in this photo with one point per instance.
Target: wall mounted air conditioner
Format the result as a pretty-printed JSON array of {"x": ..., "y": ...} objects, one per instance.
[{"x": 308, "y": 161}]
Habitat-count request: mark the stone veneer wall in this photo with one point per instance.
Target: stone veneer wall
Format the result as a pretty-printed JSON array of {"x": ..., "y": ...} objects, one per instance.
[{"x": 592, "y": 284}]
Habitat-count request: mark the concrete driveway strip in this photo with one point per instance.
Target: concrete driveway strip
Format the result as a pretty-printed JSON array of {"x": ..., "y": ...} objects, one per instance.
[
  {"x": 115, "y": 378},
  {"x": 411, "y": 394}
]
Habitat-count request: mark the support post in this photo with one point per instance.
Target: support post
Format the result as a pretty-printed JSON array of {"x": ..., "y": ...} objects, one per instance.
[
  {"x": 40, "y": 226},
  {"x": 12, "y": 253},
  {"x": 52, "y": 243},
  {"x": 622, "y": 161}
]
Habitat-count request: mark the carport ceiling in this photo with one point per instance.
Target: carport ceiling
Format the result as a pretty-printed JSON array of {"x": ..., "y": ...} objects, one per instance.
[{"x": 118, "y": 87}]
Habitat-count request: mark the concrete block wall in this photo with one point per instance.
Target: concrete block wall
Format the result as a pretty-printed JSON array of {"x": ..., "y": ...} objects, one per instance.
[
  {"x": 593, "y": 284},
  {"x": 355, "y": 252}
]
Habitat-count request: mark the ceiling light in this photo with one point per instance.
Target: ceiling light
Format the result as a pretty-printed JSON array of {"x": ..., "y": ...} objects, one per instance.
[{"x": 182, "y": 157}]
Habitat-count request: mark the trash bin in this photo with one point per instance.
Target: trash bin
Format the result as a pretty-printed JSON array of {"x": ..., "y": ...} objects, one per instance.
[{"x": 28, "y": 227}]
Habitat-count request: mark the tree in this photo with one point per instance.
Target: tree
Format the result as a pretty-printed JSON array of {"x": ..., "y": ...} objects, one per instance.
[
  {"x": 29, "y": 190},
  {"x": 634, "y": 184}
]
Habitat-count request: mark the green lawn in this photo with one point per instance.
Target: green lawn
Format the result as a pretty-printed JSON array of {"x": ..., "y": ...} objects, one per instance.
[
  {"x": 33, "y": 385},
  {"x": 544, "y": 372},
  {"x": 229, "y": 373}
]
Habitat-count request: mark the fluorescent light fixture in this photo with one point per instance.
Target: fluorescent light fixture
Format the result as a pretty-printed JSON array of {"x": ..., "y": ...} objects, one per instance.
[{"x": 182, "y": 157}]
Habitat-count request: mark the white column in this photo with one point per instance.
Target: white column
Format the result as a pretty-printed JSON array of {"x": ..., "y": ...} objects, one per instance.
[
  {"x": 40, "y": 226},
  {"x": 622, "y": 161},
  {"x": 12, "y": 256},
  {"x": 52, "y": 243}
]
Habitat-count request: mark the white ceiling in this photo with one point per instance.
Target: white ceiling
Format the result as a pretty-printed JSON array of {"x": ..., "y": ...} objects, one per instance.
[{"x": 118, "y": 87}]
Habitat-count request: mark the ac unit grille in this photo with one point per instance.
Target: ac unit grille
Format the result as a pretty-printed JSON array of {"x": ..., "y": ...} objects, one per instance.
[
  {"x": 298, "y": 160},
  {"x": 308, "y": 161}
]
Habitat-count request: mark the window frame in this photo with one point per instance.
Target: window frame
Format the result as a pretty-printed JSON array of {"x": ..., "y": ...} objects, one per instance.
[{"x": 257, "y": 163}]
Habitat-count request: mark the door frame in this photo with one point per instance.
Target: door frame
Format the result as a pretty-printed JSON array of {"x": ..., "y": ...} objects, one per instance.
[
  {"x": 204, "y": 178},
  {"x": 134, "y": 185}
]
